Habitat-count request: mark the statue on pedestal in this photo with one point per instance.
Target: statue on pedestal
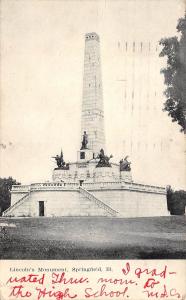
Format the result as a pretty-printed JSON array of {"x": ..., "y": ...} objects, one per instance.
[
  {"x": 103, "y": 159},
  {"x": 125, "y": 164},
  {"x": 60, "y": 162},
  {"x": 84, "y": 141}
]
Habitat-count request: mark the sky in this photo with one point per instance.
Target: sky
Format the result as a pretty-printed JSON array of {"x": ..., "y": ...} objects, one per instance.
[{"x": 42, "y": 52}]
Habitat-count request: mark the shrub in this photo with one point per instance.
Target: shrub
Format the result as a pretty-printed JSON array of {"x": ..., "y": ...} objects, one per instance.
[{"x": 176, "y": 201}]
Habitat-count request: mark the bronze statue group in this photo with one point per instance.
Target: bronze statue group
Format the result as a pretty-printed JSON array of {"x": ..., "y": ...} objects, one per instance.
[{"x": 125, "y": 165}]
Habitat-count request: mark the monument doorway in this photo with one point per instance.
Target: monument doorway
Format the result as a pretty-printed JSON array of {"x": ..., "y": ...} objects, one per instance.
[
  {"x": 41, "y": 208},
  {"x": 81, "y": 182}
]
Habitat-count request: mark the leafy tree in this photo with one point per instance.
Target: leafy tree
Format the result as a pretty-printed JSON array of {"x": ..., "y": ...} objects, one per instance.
[
  {"x": 175, "y": 74},
  {"x": 5, "y": 195},
  {"x": 176, "y": 201}
]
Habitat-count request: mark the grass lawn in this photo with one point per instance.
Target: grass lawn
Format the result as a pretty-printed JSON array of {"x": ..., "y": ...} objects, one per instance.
[{"x": 94, "y": 238}]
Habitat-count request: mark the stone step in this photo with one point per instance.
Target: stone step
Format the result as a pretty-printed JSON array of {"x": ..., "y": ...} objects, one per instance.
[
  {"x": 8, "y": 211},
  {"x": 98, "y": 202}
]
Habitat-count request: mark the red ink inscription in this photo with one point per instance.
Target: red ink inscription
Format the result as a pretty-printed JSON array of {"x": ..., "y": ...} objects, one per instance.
[
  {"x": 60, "y": 278},
  {"x": 151, "y": 282},
  {"x": 116, "y": 281},
  {"x": 173, "y": 292},
  {"x": 163, "y": 294},
  {"x": 126, "y": 270},
  {"x": 153, "y": 272},
  {"x": 17, "y": 291},
  {"x": 89, "y": 293},
  {"x": 59, "y": 295},
  {"x": 32, "y": 278}
]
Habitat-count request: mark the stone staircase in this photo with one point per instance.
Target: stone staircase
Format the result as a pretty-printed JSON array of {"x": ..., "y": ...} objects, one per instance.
[
  {"x": 99, "y": 203},
  {"x": 8, "y": 211}
]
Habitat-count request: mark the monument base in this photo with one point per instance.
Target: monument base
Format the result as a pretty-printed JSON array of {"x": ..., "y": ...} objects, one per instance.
[{"x": 111, "y": 199}]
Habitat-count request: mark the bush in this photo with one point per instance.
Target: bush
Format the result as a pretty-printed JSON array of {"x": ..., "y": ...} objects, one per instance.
[
  {"x": 176, "y": 201},
  {"x": 5, "y": 195}
]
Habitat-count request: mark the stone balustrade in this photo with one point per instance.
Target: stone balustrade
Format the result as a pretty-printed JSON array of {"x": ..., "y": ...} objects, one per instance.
[
  {"x": 89, "y": 186},
  {"x": 20, "y": 188},
  {"x": 124, "y": 185},
  {"x": 102, "y": 185},
  {"x": 54, "y": 186},
  {"x": 145, "y": 187}
]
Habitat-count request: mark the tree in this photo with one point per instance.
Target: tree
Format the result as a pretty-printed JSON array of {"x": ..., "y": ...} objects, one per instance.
[
  {"x": 175, "y": 74},
  {"x": 176, "y": 201},
  {"x": 5, "y": 195}
]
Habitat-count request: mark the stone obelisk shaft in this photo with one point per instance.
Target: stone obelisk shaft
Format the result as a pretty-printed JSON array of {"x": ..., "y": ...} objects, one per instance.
[{"x": 92, "y": 118}]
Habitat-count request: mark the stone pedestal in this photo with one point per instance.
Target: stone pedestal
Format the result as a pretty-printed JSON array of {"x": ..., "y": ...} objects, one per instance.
[
  {"x": 126, "y": 176},
  {"x": 104, "y": 174},
  {"x": 84, "y": 155},
  {"x": 60, "y": 175}
]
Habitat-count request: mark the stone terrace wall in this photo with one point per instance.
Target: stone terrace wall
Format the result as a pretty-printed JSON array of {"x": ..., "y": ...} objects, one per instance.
[
  {"x": 134, "y": 203},
  {"x": 58, "y": 203},
  {"x": 60, "y": 199}
]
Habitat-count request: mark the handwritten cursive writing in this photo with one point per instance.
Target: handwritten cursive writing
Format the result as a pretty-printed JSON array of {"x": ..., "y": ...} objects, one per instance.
[
  {"x": 31, "y": 278},
  {"x": 130, "y": 279},
  {"x": 60, "y": 278},
  {"x": 103, "y": 292}
]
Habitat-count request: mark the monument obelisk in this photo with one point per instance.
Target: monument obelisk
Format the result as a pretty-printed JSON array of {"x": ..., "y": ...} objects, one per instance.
[
  {"x": 92, "y": 118},
  {"x": 90, "y": 186}
]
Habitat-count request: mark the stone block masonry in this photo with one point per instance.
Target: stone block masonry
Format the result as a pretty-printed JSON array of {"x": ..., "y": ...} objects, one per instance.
[{"x": 92, "y": 119}]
